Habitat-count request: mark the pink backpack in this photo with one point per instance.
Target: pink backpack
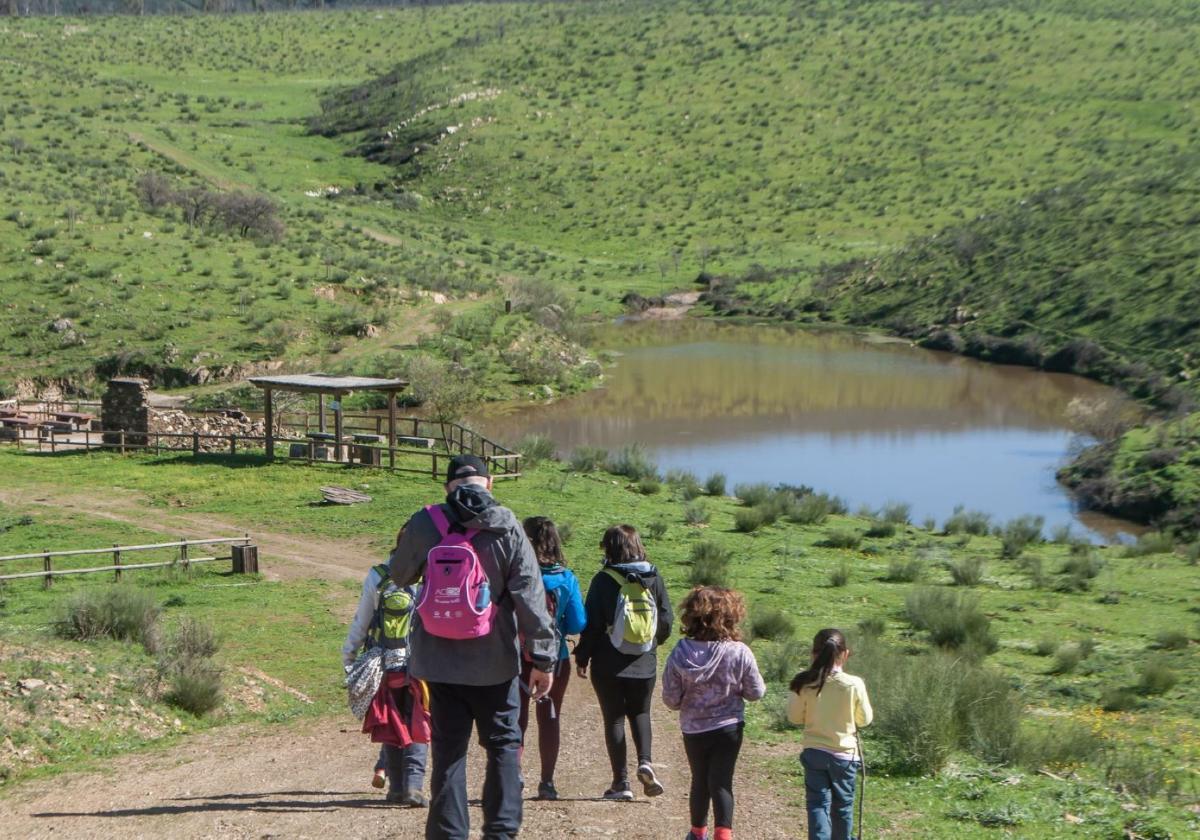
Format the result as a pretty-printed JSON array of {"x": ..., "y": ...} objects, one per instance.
[{"x": 456, "y": 600}]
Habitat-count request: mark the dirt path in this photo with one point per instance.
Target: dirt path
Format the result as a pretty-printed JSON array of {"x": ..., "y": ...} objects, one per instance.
[
  {"x": 311, "y": 780},
  {"x": 284, "y": 556}
]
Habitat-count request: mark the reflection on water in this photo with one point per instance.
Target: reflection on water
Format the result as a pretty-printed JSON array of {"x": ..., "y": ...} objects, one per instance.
[{"x": 869, "y": 421}]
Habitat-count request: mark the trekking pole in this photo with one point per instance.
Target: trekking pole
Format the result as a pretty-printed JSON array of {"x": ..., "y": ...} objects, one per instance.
[{"x": 862, "y": 795}]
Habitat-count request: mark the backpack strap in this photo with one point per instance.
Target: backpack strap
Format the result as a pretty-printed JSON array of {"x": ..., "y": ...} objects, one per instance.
[
  {"x": 617, "y": 576},
  {"x": 385, "y": 576},
  {"x": 443, "y": 524}
]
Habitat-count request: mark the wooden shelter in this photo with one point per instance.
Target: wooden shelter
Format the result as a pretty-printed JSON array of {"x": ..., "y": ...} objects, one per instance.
[{"x": 338, "y": 387}]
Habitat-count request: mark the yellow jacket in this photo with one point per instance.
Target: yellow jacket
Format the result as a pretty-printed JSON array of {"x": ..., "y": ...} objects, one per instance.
[{"x": 831, "y": 718}]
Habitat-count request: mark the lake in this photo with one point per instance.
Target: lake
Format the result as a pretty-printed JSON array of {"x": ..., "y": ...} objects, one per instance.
[{"x": 868, "y": 419}]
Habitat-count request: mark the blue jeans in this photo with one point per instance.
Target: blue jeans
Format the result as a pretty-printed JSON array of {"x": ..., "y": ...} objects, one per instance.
[
  {"x": 405, "y": 766},
  {"x": 492, "y": 711},
  {"x": 829, "y": 794}
]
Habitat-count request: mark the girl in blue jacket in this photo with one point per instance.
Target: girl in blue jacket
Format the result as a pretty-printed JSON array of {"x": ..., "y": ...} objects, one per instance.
[{"x": 565, "y": 603}]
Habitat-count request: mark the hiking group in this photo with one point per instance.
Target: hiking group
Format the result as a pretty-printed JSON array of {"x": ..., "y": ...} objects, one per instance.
[{"x": 468, "y": 624}]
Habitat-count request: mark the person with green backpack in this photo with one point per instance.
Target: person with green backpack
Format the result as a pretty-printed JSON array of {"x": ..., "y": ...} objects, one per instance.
[
  {"x": 383, "y": 619},
  {"x": 628, "y": 617}
]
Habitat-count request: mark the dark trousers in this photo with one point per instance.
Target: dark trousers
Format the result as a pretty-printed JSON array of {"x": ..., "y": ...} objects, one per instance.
[
  {"x": 405, "y": 766},
  {"x": 492, "y": 710},
  {"x": 549, "y": 716},
  {"x": 712, "y": 757},
  {"x": 621, "y": 699}
]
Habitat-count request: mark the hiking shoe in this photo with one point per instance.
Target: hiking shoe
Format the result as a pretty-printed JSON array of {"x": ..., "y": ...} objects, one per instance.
[
  {"x": 547, "y": 792},
  {"x": 619, "y": 792},
  {"x": 408, "y": 798},
  {"x": 379, "y": 779},
  {"x": 651, "y": 786}
]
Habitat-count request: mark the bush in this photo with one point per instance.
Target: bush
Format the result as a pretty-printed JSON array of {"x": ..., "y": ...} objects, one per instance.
[
  {"x": 1066, "y": 660},
  {"x": 1152, "y": 543},
  {"x": 648, "y": 486},
  {"x": 696, "y": 513},
  {"x": 1192, "y": 555},
  {"x": 810, "y": 509},
  {"x": 657, "y": 529},
  {"x": 633, "y": 463},
  {"x": 588, "y": 458},
  {"x": 1171, "y": 640},
  {"x": 119, "y": 612},
  {"x": 1066, "y": 743},
  {"x": 841, "y": 538},
  {"x": 896, "y": 513},
  {"x": 752, "y": 494},
  {"x": 840, "y": 576},
  {"x": 192, "y": 640},
  {"x": 989, "y": 715},
  {"x": 1118, "y": 699},
  {"x": 1156, "y": 677},
  {"x": 904, "y": 570},
  {"x": 1045, "y": 647},
  {"x": 952, "y": 620},
  {"x": 881, "y": 529},
  {"x": 974, "y": 522},
  {"x": 779, "y": 661},
  {"x": 871, "y": 628},
  {"x": 1079, "y": 570},
  {"x": 748, "y": 520},
  {"x": 968, "y": 571},
  {"x": 194, "y": 685},
  {"x": 771, "y": 623},
  {"x": 714, "y": 485},
  {"x": 537, "y": 448},
  {"x": 1020, "y": 533},
  {"x": 710, "y": 564},
  {"x": 565, "y": 531}
]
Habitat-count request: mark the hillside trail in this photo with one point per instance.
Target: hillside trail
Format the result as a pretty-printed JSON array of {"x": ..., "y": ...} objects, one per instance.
[{"x": 310, "y": 779}]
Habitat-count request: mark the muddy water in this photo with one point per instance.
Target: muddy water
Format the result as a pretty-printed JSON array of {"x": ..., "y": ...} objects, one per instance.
[{"x": 870, "y": 421}]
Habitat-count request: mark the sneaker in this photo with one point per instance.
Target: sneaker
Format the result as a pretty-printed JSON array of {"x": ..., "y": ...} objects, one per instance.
[
  {"x": 408, "y": 798},
  {"x": 651, "y": 786},
  {"x": 379, "y": 780},
  {"x": 619, "y": 792},
  {"x": 547, "y": 792}
]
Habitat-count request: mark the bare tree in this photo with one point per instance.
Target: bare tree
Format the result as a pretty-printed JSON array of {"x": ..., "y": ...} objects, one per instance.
[
  {"x": 154, "y": 190},
  {"x": 196, "y": 203}
]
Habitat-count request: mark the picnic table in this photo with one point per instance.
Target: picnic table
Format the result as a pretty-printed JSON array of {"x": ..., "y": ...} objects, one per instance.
[
  {"x": 77, "y": 419},
  {"x": 17, "y": 421}
]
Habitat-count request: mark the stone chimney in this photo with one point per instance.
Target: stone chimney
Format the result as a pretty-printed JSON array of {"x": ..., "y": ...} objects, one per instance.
[{"x": 124, "y": 407}]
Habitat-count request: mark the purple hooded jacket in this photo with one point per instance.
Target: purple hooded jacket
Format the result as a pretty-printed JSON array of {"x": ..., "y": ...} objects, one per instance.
[{"x": 708, "y": 683}]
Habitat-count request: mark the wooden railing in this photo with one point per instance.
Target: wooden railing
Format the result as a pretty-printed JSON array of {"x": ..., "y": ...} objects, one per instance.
[
  {"x": 501, "y": 462},
  {"x": 243, "y": 557}
]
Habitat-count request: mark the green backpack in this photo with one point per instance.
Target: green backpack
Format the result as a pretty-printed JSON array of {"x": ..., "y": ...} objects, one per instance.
[
  {"x": 635, "y": 619},
  {"x": 393, "y": 618}
]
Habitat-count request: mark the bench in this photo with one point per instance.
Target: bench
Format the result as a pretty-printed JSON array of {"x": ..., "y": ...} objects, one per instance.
[
  {"x": 76, "y": 419},
  {"x": 365, "y": 449}
]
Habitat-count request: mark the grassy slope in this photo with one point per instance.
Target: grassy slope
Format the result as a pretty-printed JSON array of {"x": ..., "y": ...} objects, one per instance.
[{"x": 782, "y": 566}]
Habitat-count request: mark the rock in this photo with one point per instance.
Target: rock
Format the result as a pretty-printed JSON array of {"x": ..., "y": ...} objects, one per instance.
[
  {"x": 62, "y": 325},
  {"x": 31, "y": 684}
]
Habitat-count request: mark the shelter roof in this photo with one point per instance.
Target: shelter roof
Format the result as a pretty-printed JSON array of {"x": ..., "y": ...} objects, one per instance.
[{"x": 327, "y": 383}]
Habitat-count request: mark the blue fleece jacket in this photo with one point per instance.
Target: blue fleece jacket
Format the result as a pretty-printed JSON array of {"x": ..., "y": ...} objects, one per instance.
[{"x": 572, "y": 618}]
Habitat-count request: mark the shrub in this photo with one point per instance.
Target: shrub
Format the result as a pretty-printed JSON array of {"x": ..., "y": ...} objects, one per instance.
[
  {"x": 1066, "y": 660},
  {"x": 840, "y": 576},
  {"x": 710, "y": 564},
  {"x": 752, "y": 494},
  {"x": 989, "y": 716},
  {"x": 748, "y": 520},
  {"x": 657, "y": 529},
  {"x": 696, "y": 513},
  {"x": 714, "y": 485},
  {"x": 1079, "y": 570},
  {"x": 1020, "y": 533},
  {"x": 952, "y": 620},
  {"x": 565, "y": 531},
  {"x": 1118, "y": 699},
  {"x": 588, "y": 458},
  {"x": 841, "y": 538},
  {"x": 779, "y": 661},
  {"x": 194, "y": 685},
  {"x": 904, "y": 570},
  {"x": 968, "y": 571},
  {"x": 1156, "y": 677},
  {"x": 119, "y": 612},
  {"x": 648, "y": 486},
  {"x": 1066, "y": 743},
  {"x": 1045, "y": 646},
  {"x": 1192, "y": 555},
  {"x": 1152, "y": 543},
  {"x": 1138, "y": 773},
  {"x": 811, "y": 509},
  {"x": 537, "y": 448},
  {"x": 192, "y": 640},
  {"x": 881, "y": 529},
  {"x": 633, "y": 463},
  {"x": 974, "y": 522},
  {"x": 896, "y": 513},
  {"x": 771, "y": 623},
  {"x": 1171, "y": 640},
  {"x": 871, "y": 628}
]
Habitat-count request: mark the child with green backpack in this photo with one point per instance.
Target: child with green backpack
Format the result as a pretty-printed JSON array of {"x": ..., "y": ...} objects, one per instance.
[
  {"x": 628, "y": 616},
  {"x": 383, "y": 619}
]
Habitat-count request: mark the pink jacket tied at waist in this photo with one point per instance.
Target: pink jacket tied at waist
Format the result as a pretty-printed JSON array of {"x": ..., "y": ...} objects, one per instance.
[{"x": 386, "y": 722}]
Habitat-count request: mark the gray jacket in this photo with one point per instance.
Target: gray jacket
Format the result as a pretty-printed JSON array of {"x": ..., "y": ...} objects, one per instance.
[{"x": 516, "y": 588}]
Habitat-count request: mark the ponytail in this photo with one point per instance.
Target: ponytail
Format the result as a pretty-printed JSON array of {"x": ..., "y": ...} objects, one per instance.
[{"x": 828, "y": 645}]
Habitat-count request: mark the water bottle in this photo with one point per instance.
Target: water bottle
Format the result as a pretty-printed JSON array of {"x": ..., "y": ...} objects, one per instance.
[{"x": 484, "y": 597}]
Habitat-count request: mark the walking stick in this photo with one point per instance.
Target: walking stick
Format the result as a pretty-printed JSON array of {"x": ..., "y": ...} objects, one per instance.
[{"x": 862, "y": 795}]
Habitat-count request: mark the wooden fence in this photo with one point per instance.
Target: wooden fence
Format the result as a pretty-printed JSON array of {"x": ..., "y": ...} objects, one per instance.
[{"x": 243, "y": 558}]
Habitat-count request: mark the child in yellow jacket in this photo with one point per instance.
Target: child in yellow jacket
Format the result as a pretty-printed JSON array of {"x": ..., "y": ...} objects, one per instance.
[{"x": 831, "y": 705}]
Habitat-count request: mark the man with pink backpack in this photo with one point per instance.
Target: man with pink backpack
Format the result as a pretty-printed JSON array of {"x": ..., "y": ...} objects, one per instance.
[{"x": 482, "y": 591}]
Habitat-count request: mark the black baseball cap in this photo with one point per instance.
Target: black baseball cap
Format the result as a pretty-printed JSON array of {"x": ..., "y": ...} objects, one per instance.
[{"x": 466, "y": 466}]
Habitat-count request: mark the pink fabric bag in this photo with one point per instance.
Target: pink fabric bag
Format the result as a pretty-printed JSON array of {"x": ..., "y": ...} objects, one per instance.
[{"x": 456, "y": 599}]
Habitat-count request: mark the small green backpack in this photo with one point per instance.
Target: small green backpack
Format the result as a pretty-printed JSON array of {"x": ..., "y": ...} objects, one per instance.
[
  {"x": 635, "y": 619},
  {"x": 393, "y": 618}
]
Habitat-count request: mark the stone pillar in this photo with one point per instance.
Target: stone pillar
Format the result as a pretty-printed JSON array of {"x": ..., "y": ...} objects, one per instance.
[{"x": 124, "y": 407}]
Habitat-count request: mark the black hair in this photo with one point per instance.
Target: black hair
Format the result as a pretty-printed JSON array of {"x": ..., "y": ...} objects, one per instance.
[
  {"x": 828, "y": 645},
  {"x": 543, "y": 536}
]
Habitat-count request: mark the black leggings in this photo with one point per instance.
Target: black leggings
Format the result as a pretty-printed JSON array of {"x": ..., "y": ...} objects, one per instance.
[
  {"x": 621, "y": 698},
  {"x": 712, "y": 757}
]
